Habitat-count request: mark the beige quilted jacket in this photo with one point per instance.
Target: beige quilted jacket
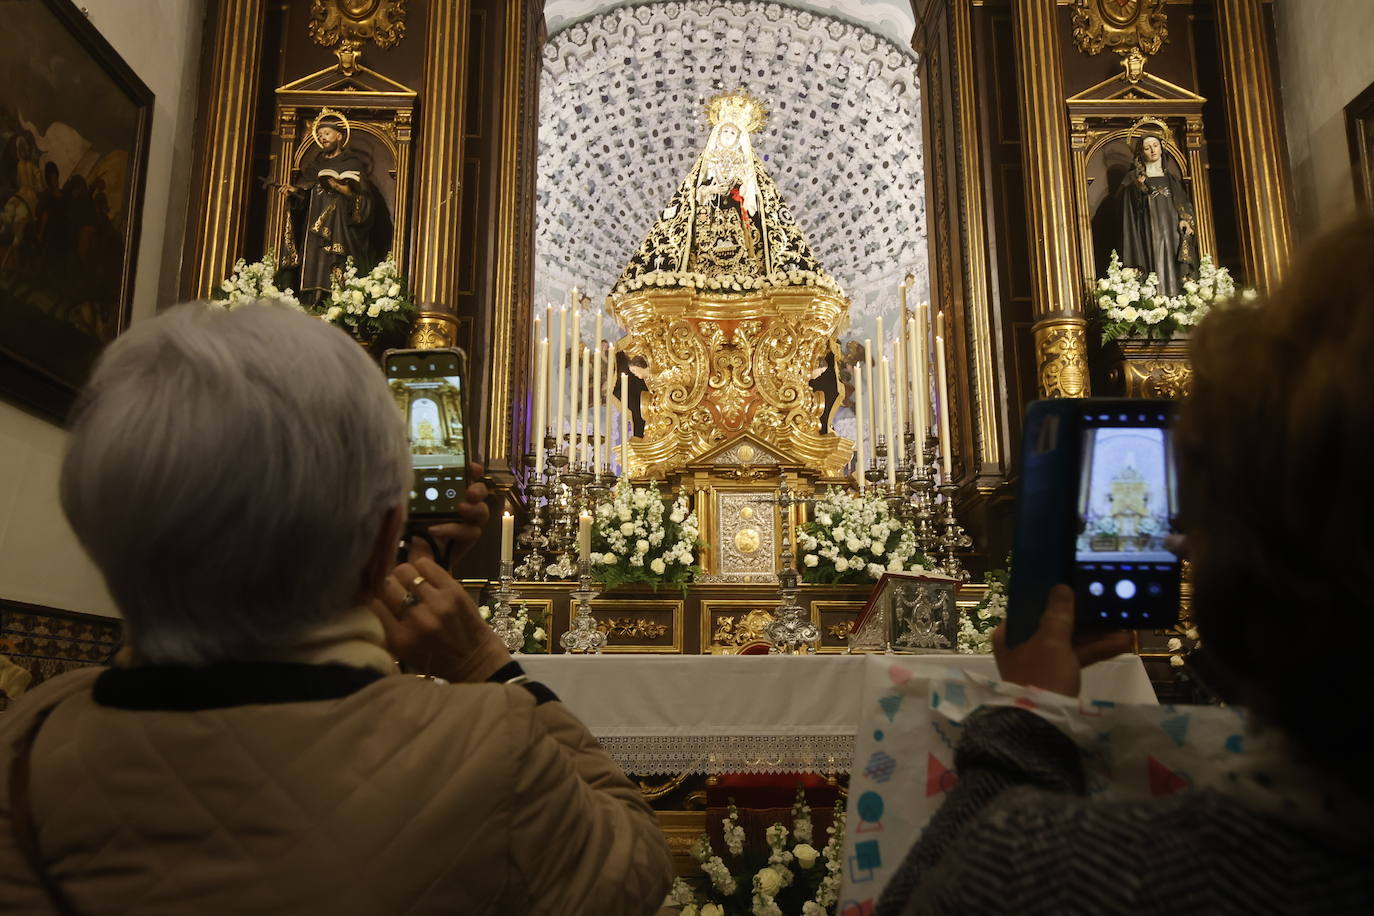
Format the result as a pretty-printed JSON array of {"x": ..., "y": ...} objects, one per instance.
[{"x": 404, "y": 796}]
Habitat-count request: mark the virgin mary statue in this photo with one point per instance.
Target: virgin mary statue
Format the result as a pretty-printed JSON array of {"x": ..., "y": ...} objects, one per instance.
[
  {"x": 1158, "y": 224},
  {"x": 726, "y": 227}
]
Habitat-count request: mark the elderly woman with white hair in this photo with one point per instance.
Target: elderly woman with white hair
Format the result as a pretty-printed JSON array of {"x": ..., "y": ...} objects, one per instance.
[{"x": 239, "y": 477}]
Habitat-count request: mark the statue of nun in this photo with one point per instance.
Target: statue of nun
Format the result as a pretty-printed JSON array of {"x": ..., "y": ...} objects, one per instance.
[{"x": 1158, "y": 224}]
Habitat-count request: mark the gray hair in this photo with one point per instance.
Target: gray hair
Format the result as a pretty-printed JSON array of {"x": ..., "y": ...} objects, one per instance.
[{"x": 229, "y": 472}]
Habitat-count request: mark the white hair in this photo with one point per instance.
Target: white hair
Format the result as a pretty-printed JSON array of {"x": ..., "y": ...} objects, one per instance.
[{"x": 229, "y": 472}]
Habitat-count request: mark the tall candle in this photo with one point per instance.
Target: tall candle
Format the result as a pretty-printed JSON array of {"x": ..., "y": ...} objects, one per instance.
[
  {"x": 900, "y": 380},
  {"x": 584, "y": 407},
  {"x": 574, "y": 379},
  {"x": 560, "y": 378},
  {"x": 541, "y": 405},
  {"x": 945, "y": 456},
  {"x": 608, "y": 386},
  {"x": 923, "y": 368},
  {"x": 507, "y": 537},
  {"x": 870, "y": 368},
  {"x": 584, "y": 536},
  {"x": 624, "y": 425},
  {"x": 884, "y": 385},
  {"x": 596, "y": 406},
  {"x": 860, "y": 462},
  {"x": 918, "y": 393}
]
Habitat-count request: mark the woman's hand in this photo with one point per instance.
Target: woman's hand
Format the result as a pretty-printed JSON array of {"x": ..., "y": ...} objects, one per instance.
[
  {"x": 473, "y": 516},
  {"x": 1053, "y": 659},
  {"x": 433, "y": 626},
  {"x": 1185, "y": 227}
]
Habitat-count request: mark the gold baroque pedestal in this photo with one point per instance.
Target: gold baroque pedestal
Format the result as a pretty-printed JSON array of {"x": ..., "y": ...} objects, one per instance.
[
  {"x": 720, "y": 367},
  {"x": 1149, "y": 368}
]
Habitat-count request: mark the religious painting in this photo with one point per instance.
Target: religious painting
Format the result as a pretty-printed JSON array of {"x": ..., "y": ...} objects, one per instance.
[{"x": 74, "y": 127}]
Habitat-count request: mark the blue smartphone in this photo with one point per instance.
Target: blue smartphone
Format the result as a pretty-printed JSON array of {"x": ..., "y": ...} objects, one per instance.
[{"x": 1097, "y": 495}]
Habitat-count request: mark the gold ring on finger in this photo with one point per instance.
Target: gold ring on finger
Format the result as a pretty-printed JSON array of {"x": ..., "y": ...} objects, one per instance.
[{"x": 418, "y": 581}]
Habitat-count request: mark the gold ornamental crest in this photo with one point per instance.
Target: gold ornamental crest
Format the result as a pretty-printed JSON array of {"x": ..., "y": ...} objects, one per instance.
[{"x": 739, "y": 108}]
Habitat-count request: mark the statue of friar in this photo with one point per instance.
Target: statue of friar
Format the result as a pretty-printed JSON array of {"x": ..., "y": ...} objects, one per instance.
[
  {"x": 335, "y": 212},
  {"x": 1158, "y": 224}
]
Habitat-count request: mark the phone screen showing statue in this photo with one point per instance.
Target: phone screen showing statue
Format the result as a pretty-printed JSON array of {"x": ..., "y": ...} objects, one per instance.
[
  {"x": 428, "y": 386},
  {"x": 1127, "y": 503}
]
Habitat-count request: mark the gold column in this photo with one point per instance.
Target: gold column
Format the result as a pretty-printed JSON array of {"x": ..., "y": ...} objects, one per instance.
[
  {"x": 439, "y": 159},
  {"x": 978, "y": 302},
  {"x": 1061, "y": 349},
  {"x": 1257, "y": 154},
  {"x": 224, "y": 153}
]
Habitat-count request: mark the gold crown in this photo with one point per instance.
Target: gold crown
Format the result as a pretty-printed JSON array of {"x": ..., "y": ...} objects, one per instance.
[
  {"x": 738, "y": 108},
  {"x": 338, "y": 118}
]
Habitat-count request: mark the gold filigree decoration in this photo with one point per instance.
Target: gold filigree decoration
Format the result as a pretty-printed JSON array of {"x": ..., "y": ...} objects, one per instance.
[
  {"x": 735, "y": 631},
  {"x": 840, "y": 630},
  {"x": 1120, "y": 24},
  {"x": 1159, "y": 378},
  {"x": 346, "y": 25},
  {"x": 433, "y": 330},
  {"x": 630, "y": 628},
  {"x": 1063, "y": 358},
  {"x": 738, "y": 108}
]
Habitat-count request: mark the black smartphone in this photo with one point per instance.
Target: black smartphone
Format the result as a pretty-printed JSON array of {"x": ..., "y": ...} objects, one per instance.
[
  {"x": 1097, "y": 496},
  {"x": 430, "y": 388}
]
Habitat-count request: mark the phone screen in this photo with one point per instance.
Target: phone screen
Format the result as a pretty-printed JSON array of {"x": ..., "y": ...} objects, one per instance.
[
  {"x": 428, "y": 387},
  {"x": 1127, "y": 503}
]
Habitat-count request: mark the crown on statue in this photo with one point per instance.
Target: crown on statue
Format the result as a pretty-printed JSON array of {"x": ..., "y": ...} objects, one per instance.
[{"x": 738, "y": 108}]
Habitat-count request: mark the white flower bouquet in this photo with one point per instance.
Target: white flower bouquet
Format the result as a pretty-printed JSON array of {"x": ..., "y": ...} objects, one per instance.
[
  {"x": 256, "y": 282},
  {"x": 797, "y": 880},
  {"x": 1129, "y": 305},
  {"x": 729, "y": 283},
  {"x": 637, "y": 538},
  {"x": 855, "y": 538},
  {"x": 976, "y": 626},
  {"x": 531, "y": 624},
  {"x": 374, "y": 305}
]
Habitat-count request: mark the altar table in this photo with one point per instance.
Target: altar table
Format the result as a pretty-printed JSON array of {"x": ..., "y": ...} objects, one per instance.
[{"x": 708, "y": 714}]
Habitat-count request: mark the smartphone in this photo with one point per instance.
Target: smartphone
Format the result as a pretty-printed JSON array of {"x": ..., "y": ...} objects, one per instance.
[
  {"x": 430, "y": 388},
  {"x": 1098, "y": 494}
]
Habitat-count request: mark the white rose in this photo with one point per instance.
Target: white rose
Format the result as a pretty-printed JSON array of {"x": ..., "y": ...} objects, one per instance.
[
  {"x": 875, "y": 570},
  {"x": 712, "y": 909},
  {"x": 485, "y": 612},
  {"x": 841, "y": 564},
  {"x": 658, "y": 566},
  {"x": 374, "y": 311},
  {"x": 811, "y": 559},
  {"x": 1176, "y": 661},
  {"x": 394, "y": 290},
  {"x": 1123, "y": 299},
  {"x": 357, "y": 296},
  {"x": 823, "y": 518},
  {"x": 608, "y": 559},
  {"x": 1129, "y": 314},
  {"x": 333, "y": 313},
  {"x": 769, "y": 882},
  {"x": 677, "y": 516},
  {"x": 642, "y": 546},
  {"x": 1175, "y": 644},
  {"x": 806, "y": 854},
  {"x": 691, "y": 910},
  {"x": 839, "y": 533},
  {"x": 539, "y": 634},
  {"x": 877, "y": 547},
  {"x": 627, "y": 529},
  {"x": 854, "y": 545}
]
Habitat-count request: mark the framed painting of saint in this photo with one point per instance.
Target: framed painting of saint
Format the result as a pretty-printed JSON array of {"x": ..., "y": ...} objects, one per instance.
[{"x": 74, "y": 128}]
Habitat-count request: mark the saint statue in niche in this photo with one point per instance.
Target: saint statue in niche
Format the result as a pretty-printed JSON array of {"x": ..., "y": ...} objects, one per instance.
[
  {"x": 1158, "y": 223},
  {"x": 336, "y": 212}
]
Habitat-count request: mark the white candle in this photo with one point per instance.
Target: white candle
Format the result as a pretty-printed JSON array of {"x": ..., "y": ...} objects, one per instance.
[
  {"x": 943, "y": 406},
  {"x": 596, "y": 403},
  {"x": 860, "y": 462},
  {"x": 882, "y": 341},
  {"x": 507, "y": 537},
  {"x": 541, "y": 405},
  {"x": 918, "y": 392},
  {"x": 583, "y": 407},
  {"x": 870, "y": 368},
  {"x": 584, "y": 537},
  {"x": 608, "y": 386},
  {"x": 923, "y": 368},
  {"x": 625, "y": 426},
  {"x": 884, "y": 385},
  {"x": 900, "y": 380},
  {"x": 575, "y": 342},
  {"x": 561, "y": 378}
]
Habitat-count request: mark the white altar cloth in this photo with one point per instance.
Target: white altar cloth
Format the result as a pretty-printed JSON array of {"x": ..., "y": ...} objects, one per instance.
[{"x": 670, "y": 715}]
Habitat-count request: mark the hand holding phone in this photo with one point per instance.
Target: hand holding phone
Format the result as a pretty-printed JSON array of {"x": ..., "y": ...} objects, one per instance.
[
  {"x": 1054, "y": 657},
  {"x": 1097, "y": 500}
]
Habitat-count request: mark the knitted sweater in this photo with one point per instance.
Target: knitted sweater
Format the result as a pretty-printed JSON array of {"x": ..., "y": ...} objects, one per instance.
[{"x": 1017, "y": 835}]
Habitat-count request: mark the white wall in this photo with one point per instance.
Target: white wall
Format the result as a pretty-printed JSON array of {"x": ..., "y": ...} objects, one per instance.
[
  {"x": 1325, "y": 60},
  {"x": 40, "y": 560}
]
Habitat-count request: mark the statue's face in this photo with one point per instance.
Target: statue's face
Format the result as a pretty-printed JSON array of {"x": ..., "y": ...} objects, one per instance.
[
  {"x": 729, "y": 136},
  {"x": 1151, "y": 149},
  {"x": 329, "y": 138}
]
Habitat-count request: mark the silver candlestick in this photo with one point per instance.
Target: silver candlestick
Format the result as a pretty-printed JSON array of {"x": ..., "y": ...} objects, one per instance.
[
  {"x": 791, "y": 632},
  {"x": 508, "y": 629},
  {"x": 582, "y": 636}
]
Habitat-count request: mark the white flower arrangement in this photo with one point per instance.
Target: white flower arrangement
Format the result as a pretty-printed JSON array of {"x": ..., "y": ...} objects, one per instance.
[
  {"x": 374, "y": 305},
  {"x": 976, "y": 626},
  {"x": 255, "y": 283},
  {"x": 637, "y": 538},
  {"x": 531, "y": 624},
  {"x": 1130, "y": 305},
  {"x": 799, "y": 879},
  {"x": 855, "y": 538},
  {"x": 730, "y": 283}
]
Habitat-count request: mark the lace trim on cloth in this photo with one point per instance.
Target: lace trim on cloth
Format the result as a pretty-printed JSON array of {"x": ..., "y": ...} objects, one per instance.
[{"x": 711, "y": 755}]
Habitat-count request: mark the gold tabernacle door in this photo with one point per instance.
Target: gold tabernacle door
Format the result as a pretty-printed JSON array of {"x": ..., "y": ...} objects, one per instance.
[{"x": 718, "y": 367}]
